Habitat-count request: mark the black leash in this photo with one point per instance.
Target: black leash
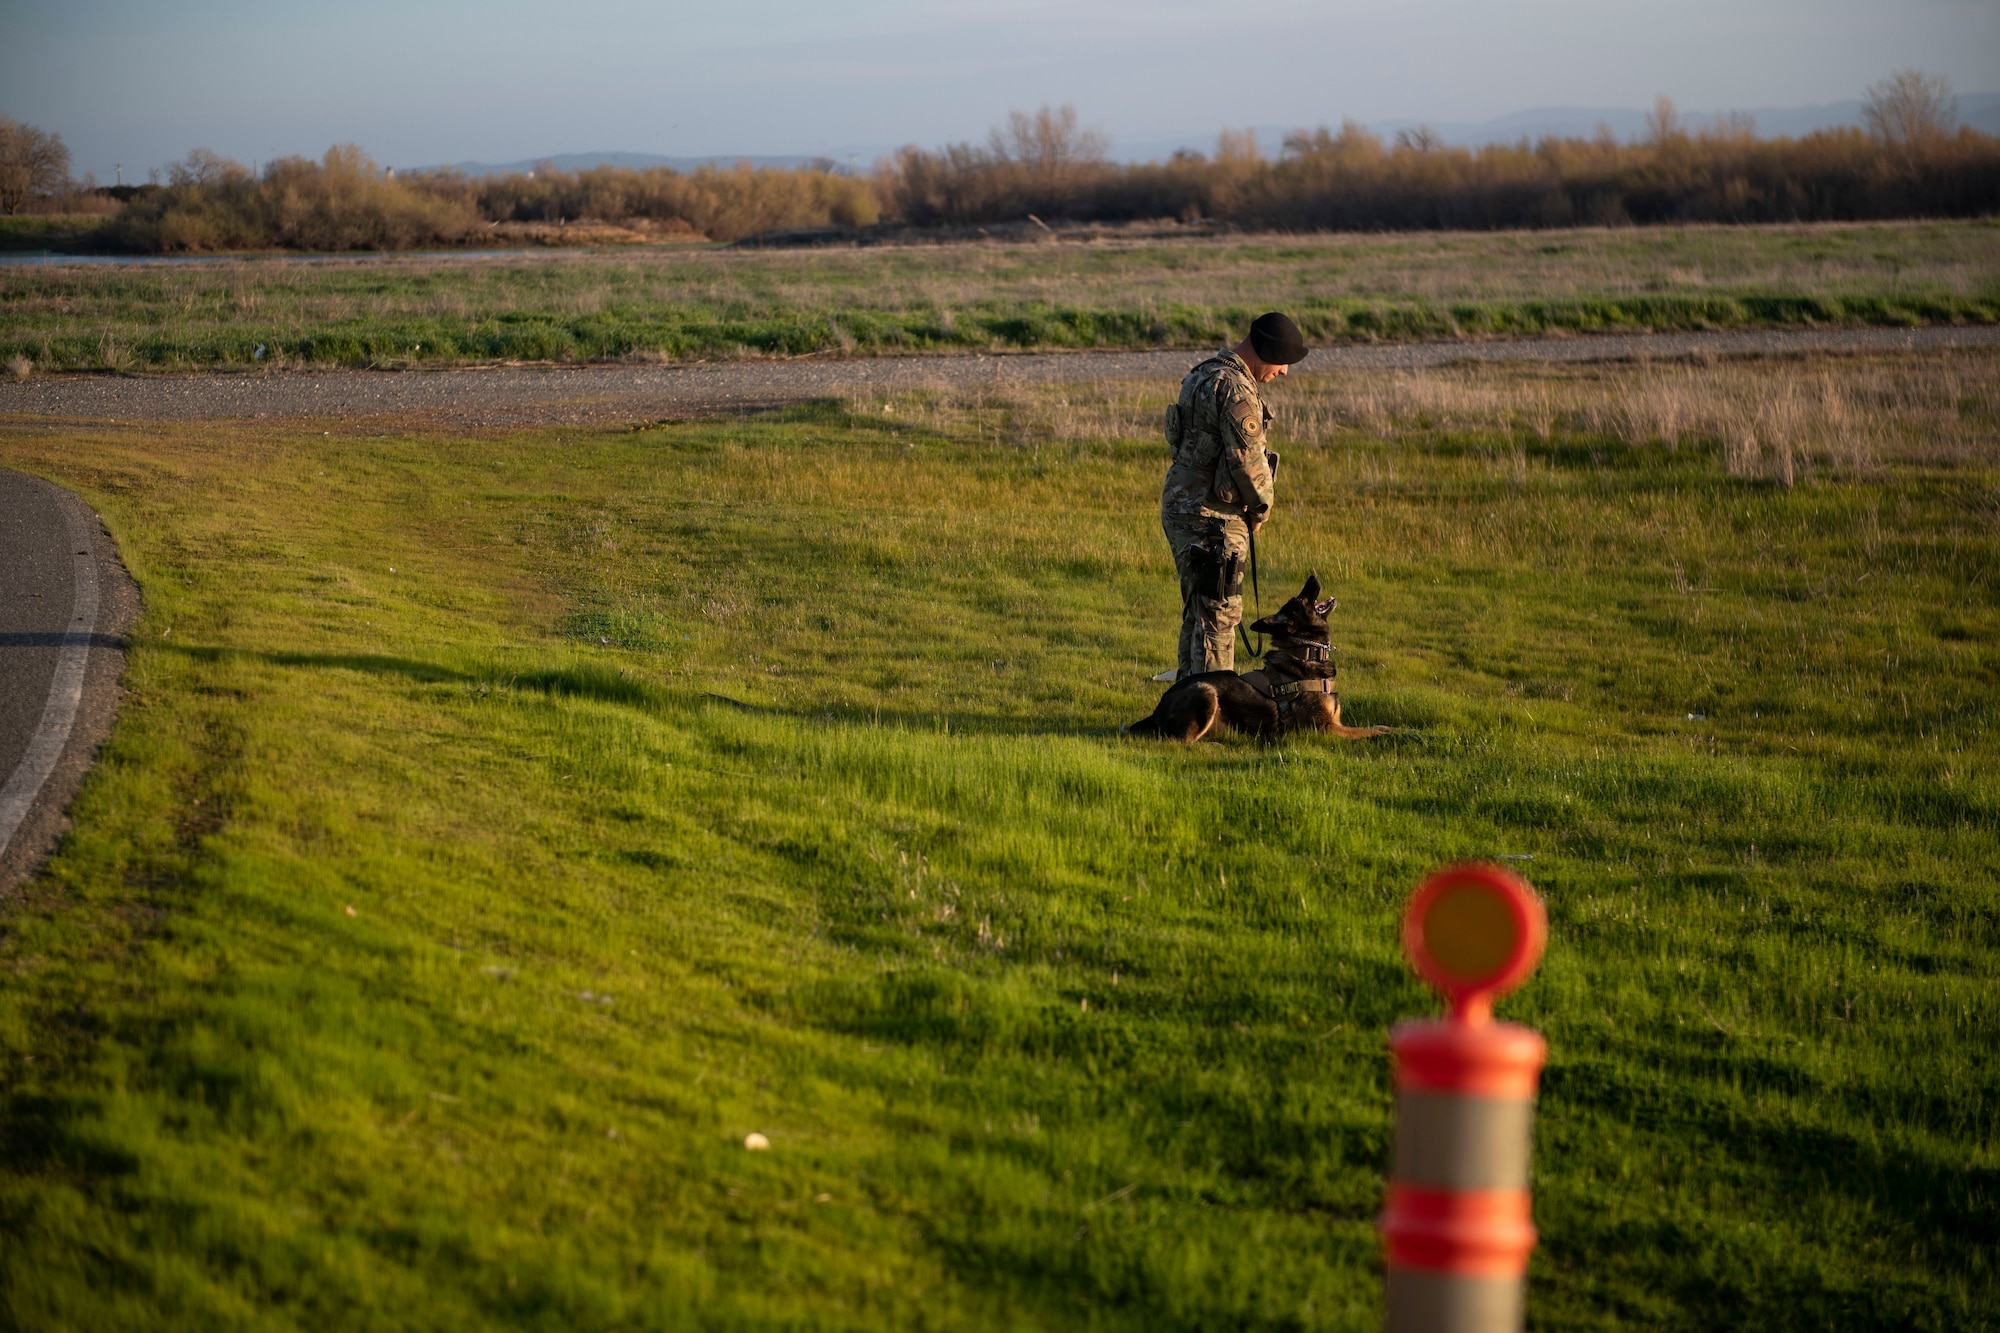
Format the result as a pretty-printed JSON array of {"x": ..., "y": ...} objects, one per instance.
[{"x": 1255, "y": 654}]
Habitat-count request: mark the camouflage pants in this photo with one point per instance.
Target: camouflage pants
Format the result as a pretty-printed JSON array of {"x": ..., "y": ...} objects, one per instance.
[{"x": 1208, "y": 624}]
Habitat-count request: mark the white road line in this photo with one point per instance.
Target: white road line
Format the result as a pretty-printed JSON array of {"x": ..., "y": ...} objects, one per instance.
[{"x": 65, "y": 691}]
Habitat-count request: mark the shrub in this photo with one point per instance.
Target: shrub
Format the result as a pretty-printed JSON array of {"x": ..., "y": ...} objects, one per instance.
[
  {"x": 723, "y": 204},
  {"x": 342, "y": 202}
]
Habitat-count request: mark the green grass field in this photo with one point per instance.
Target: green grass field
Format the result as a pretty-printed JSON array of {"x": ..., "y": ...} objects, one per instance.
[
  {"x": 502, "y": 826},
  {"x": 684, "y": 302}
]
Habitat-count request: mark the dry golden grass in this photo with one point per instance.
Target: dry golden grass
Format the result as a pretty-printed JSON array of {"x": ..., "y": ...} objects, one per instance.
[{"x": 1777, "y": 420}]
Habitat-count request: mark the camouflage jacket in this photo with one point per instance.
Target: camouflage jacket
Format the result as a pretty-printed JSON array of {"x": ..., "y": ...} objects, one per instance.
[{"x": 1217, "y": 430}]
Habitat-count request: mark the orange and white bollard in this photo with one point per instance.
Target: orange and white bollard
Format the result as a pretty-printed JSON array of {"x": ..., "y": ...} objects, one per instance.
[{"x": 1456, "y": 1229}]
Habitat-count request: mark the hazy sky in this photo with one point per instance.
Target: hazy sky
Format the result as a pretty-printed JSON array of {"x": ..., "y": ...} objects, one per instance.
[{"x": 424, "y": 81}]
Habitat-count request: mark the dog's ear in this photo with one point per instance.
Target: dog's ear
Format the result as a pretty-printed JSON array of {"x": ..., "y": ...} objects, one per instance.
[
  {"x": 1327, "y": 605},
  {"x": 1310, "y": 593}
]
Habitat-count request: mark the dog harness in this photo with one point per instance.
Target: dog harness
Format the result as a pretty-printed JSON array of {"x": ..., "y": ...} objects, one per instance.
[{"x": 1287, "y": 694}]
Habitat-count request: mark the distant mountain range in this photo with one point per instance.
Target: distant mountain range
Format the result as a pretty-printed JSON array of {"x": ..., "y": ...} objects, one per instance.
[
  {"x": 1979, "y": 110},
  {"x": 639, "y": 162}
]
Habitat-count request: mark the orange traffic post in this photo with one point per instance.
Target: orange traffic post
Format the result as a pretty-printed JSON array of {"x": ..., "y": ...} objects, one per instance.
[{"x": 1456, "y": 1230}]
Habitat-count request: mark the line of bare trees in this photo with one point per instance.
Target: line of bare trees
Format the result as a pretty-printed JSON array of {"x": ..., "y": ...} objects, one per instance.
[
  {"x": 344, "y": 201},
  {"x": 1911, "y": 161},
  {"x": 723, "y": 203}
]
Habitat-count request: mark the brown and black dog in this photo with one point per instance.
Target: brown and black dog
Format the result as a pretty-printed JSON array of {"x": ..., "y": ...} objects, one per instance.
[{"x": 1293, "y": 692}]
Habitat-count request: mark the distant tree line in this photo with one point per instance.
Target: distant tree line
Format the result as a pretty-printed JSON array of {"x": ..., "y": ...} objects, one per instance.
[
  {"x": 346, "y": 202},
  {"x": 1911, "y": 161},
  {"x": 342, "y": 202},
  {"x": 722, "y": 203}
]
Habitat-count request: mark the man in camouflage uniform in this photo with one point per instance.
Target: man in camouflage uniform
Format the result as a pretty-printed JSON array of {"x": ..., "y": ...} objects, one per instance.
[{"x": 1220, "y": 487}]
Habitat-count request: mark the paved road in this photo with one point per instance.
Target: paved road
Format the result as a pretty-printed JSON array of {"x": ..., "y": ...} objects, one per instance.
[
  {"x": 527, "y": 395},
  {"x": 65, "y": 604}
]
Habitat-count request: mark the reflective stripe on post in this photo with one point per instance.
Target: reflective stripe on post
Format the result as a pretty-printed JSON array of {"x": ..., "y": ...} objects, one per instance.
[{"x": 1456, "y": 1229}]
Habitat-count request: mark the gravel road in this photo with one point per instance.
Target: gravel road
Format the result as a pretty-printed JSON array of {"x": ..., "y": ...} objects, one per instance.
[{"x": 510, "y": 396}]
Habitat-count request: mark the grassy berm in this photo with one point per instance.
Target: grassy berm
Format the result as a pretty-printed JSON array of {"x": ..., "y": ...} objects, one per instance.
[
  {"x": 688, "y": 302},
  {"x": 501, "y": 827}
]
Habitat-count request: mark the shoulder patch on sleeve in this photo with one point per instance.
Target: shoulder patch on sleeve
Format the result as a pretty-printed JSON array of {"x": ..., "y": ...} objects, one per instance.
[{"x": 1248, "y": 415}]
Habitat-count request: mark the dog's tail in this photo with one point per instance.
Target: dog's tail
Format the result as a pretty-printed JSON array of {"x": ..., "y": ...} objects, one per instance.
[{"x": 1145, "y": 726}]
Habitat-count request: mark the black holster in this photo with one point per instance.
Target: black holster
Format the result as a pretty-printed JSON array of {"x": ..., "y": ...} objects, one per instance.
[{"x": 1217, "y": 571}]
